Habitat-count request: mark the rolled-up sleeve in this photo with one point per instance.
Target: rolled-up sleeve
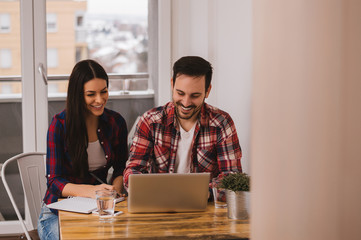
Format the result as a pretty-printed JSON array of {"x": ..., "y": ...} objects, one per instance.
[
  {"x": 229, "y": 152},
  {"x": 140, "y": 150}
]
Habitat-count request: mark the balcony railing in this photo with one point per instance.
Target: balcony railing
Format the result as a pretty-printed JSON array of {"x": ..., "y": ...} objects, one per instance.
[{"x": 120, "y": 86}]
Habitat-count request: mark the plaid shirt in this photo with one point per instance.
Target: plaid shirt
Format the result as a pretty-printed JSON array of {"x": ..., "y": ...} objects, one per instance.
[
  {"x": 215, "y": 146},
  {"x": 112, "y": 135}
]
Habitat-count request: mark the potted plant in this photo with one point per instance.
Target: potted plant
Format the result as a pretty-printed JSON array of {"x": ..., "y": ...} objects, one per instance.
[{"x": 237, "y": 187}]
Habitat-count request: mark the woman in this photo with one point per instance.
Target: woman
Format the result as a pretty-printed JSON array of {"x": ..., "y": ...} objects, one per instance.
[{"x": 83, "y": 142}]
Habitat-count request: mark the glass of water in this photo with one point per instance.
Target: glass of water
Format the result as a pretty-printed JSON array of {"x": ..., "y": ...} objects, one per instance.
[
  {"x": 219, "y": 194},
  {"x": 106, "y": 203}
]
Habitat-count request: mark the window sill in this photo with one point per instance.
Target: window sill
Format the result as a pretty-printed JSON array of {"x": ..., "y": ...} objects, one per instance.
[{"x": 16, "y": 97}]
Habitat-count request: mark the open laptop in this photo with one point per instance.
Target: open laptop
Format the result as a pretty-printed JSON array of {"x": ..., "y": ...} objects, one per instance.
[{"x": 168, "y": 192}]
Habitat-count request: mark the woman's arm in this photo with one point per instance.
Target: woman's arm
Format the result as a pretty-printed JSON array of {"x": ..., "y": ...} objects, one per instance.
[{"x": 84, "y": 190}]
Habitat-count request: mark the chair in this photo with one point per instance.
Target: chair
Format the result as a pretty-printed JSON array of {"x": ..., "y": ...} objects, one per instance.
[
  {"x": 33, "y": 178},
  {"x": 132, "y": 131}
]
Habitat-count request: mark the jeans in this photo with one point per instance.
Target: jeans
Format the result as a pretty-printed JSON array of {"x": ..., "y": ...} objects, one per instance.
[{"x": 48, "y": 224}]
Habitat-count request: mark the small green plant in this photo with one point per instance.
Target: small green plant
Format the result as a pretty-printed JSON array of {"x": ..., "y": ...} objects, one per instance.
[{"x": 236, "y": 182}]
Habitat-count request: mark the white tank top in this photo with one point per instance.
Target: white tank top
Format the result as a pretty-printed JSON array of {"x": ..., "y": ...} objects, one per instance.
[
  {"x": 96, "y": 156},
  {"x": 183, "y": 158}
]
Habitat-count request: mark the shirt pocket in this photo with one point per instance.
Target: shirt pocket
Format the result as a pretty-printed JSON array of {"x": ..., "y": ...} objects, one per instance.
[
  {"x": 207, "y": 159},
  {"x": 161, "y": 156}
]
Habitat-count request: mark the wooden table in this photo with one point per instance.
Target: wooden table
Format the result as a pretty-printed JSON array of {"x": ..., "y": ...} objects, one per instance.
[{"x": 211, "y": 224}]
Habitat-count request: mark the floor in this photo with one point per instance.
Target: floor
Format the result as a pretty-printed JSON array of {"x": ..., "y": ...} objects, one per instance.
[{"x": 33, "y": 235}]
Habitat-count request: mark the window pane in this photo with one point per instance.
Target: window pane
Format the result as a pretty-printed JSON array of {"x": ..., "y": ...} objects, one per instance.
[
  {"x": 112, "y": 32},
  {"x": 11, "y": 139}
]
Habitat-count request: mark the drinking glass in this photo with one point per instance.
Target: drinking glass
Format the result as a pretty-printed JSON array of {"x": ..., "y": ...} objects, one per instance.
[
  {"x": 219, "y": 194},
  {"x": 106, "y": 203}
]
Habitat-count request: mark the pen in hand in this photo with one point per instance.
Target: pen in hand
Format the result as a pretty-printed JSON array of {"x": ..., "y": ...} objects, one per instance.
[
  {"x": 98, "y": 179},
  {"x": 101, "y": 181}
]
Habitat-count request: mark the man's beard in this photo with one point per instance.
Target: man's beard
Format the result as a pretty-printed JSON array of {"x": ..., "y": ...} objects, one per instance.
[{"x": 195, "y": 110}]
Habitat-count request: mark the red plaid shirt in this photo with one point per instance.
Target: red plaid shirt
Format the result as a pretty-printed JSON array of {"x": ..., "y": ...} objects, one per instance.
[{"x": 215, "y": 146}]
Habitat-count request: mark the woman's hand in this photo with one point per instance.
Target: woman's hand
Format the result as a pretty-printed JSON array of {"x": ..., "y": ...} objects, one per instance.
[{"x": 102, "y": 187}]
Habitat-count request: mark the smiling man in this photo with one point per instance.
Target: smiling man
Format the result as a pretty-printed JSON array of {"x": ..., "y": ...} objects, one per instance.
[{"x": 186, "y": 135}]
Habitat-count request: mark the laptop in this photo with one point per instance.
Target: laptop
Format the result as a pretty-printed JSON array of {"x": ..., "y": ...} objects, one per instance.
[{"x": 168, "y": 192}]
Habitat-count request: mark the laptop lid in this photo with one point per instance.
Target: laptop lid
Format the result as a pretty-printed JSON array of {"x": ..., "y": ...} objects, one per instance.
[{"x": 168, "y": 192}]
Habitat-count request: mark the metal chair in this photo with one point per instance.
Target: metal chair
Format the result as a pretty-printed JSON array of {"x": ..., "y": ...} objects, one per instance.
[{"x": 33, "y": 178}]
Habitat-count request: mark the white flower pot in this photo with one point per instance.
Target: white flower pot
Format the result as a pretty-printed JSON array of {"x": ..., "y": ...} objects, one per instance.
[{"x": 238, "y": 204}]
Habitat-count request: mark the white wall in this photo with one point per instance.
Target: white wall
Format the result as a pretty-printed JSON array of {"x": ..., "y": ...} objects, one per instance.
[
  {"x": 219, "y": 31},
  {"x": 306, "y": 119}
]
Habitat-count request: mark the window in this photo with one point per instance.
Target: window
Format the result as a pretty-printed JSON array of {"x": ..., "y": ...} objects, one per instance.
[
  {"x": 80, "y": 21},
  {"x": 51, "y": 22},
  {"x": 4, "y": 22},
  {"x": 112, "y": 32},
  {"x": 117, "y": 35},
  {"x": 52, "y": 57},
  {"x": 5, "y": 58}
]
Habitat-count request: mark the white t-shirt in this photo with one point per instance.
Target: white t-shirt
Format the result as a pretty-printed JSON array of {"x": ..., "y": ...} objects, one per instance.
[
  {"x": 96, "y": 156},
  {"x": 183, "y": 158}
]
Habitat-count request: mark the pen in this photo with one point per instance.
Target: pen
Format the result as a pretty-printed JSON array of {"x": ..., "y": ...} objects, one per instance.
[
  {"x": 101, "y": 181},
  {"x": 98, "y": 179}
]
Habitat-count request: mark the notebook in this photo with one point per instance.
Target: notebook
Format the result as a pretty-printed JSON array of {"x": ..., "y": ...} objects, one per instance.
[
  {"x": 168, "y": 192},
  {"x": 77, "y": 204}
]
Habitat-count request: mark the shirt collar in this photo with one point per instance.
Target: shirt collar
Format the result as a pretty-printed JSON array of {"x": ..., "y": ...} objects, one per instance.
[{"x": 104, "y": 117}]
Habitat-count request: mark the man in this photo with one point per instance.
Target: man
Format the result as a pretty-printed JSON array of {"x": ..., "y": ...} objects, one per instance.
[{"x": 187, "y": 134}]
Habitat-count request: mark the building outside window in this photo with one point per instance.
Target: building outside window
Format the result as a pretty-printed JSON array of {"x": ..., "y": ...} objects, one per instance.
[{"x": 114, "y": 33}]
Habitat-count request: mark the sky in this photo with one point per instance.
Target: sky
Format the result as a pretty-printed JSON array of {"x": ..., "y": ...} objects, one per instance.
[{"x": 118, "y": 6}]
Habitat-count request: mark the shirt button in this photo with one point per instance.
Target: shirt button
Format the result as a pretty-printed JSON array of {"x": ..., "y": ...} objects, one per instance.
[
  {"x": 106, "y": 156},
  {"x": 98, "y": 130},
  {"x": 101, "y": 143}
]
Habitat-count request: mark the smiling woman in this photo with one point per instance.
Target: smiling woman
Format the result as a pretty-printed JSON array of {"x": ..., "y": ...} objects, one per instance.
[
  {"x": 84, "y": 141},
  {"x": 96, "y": 96}
]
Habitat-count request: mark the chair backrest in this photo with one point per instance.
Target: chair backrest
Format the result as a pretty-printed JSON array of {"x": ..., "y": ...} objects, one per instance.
[
  {"x": 33, "y": 178},
  {"x": 132, "y": 131}
]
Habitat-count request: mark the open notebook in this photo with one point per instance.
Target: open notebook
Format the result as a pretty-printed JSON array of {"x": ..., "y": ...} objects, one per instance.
[{"x": 77, "y": 204}]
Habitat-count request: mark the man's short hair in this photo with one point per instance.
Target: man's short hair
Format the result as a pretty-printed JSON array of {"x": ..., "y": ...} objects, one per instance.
[{"x": 193, "y": 66}]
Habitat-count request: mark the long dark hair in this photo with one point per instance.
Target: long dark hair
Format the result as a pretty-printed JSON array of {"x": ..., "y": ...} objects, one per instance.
[{"x": 76, "y": 132}]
